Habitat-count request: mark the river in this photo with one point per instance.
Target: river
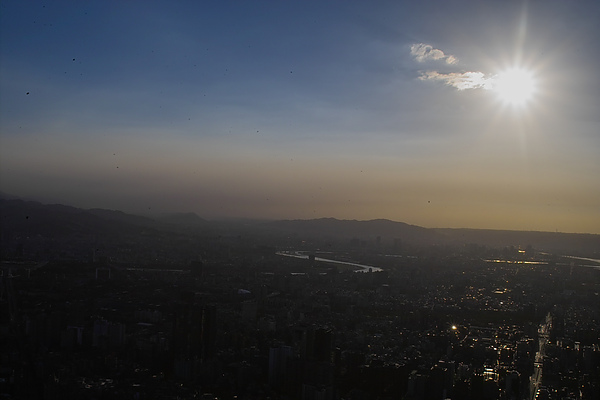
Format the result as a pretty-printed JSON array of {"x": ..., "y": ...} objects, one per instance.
[{"x": 304, "y": 255}]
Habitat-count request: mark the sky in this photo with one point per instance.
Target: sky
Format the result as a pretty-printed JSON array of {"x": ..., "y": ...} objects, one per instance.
[{"x": 307, "y": 109}]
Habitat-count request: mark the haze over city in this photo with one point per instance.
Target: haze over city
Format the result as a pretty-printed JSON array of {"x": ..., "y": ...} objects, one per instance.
[{"x": 439, "y": 114}]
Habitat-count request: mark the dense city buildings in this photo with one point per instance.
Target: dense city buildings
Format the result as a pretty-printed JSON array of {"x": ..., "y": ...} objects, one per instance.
[{"x": 178, "y": 314}]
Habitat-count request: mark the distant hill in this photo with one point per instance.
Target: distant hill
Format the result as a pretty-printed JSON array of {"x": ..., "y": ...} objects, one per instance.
[
  {"x": 29, "y": 218},
  {"x": 189, "y": 219},
  {"x": 43, "y": 200},
  {"x": 121, "y": 217},
  {"x": 32, "y": 218},
  {"x": 555, "y": 242},
  {"x": 8, "y": 196},
  {"x": 386, "y": 229}
]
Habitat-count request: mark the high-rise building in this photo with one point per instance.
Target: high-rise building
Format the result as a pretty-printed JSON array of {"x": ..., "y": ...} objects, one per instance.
[{"x": 278, "y": 363}]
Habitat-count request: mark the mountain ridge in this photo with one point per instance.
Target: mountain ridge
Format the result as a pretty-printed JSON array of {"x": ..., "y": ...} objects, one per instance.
[{"x": 26, "y": 217}]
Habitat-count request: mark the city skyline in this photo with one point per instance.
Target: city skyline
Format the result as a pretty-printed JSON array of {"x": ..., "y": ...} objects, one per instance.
[{"x": 470, "y": 114}]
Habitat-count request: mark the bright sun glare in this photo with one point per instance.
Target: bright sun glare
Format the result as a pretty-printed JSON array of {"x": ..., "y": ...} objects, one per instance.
[{"x": 515, "y": 86}]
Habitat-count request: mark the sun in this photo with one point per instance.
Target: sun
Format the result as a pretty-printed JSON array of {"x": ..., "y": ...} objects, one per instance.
[{"x": 515, "y": 86}]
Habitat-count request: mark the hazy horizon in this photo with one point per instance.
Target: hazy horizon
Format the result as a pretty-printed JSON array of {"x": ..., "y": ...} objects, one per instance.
[
  {"x": 303, "y": 110},
  {"x": 160, "y": 214}
]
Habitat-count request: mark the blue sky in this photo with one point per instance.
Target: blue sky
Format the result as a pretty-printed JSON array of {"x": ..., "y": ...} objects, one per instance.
[{"x": 307, "y": 109}]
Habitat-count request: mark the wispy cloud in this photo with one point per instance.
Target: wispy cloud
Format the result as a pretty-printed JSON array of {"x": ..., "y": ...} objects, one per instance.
[
  {"x": 425, "y": 52},
  {"x": 460, "y": 80}
]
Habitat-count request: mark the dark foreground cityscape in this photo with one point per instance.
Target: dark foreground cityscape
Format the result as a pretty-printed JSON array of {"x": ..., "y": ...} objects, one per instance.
[{"x": 99, "y": 304}]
